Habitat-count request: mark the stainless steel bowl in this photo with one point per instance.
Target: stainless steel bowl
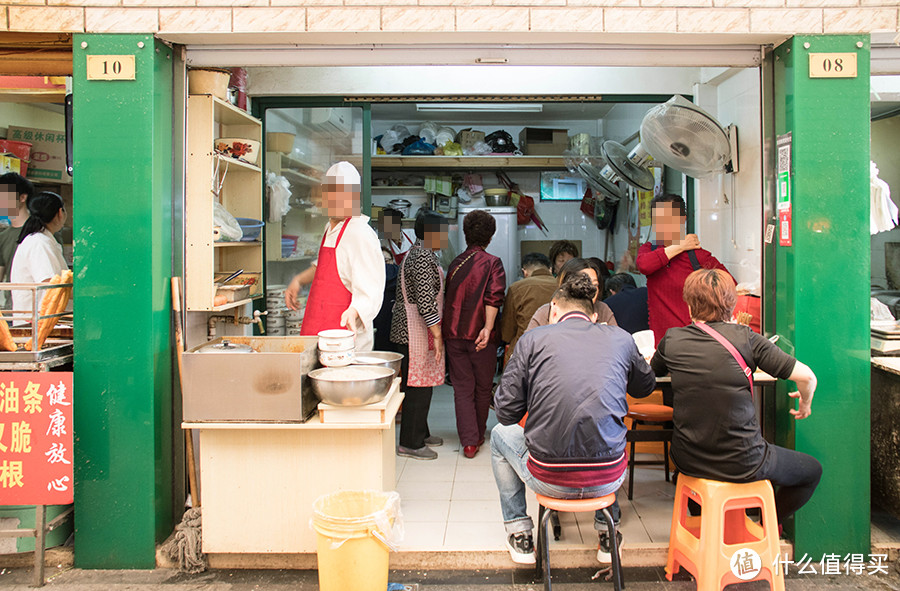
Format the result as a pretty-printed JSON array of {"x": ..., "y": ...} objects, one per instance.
[
  {"x": 387, "y": 359},
  {"x": 355, "y": 385},
  {"x": 496, "y": 200}
]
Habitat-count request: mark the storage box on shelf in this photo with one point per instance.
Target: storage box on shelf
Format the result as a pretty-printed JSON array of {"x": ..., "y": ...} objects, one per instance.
[{"x": 235, "y": 184}]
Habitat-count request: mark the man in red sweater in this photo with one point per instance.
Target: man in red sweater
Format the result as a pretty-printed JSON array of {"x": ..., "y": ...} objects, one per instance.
[{"x": 667, "y": 259}]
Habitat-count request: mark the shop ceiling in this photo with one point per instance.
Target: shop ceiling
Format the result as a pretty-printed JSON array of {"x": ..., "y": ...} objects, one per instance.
[{"x": 35, "y": 54}]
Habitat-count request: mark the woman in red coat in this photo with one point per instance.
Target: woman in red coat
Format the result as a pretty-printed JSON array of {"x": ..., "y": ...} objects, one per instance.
[{"x": 476, "y": 284}]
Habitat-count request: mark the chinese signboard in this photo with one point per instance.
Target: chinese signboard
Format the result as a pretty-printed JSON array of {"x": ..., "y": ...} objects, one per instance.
[
  {"x": 48, "y": 153},
  {"x": 36, "y": 438}
]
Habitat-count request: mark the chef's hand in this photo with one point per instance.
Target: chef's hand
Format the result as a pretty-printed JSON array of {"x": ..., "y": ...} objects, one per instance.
[
  {"x": 804, "y": 409},
  {"x": 482, "y": 340},
  {"x": 349, "y": 319},
  {"x": 690, "y": 242},
  {"x": 290, "y": 294}
]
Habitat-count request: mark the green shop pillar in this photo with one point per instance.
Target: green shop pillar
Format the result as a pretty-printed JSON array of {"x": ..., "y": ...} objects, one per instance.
[
  {"x": 822, "y": 276},
  {"x": 122, "y": 133}
]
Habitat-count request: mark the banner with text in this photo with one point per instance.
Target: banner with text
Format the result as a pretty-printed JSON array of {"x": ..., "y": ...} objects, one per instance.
[{"x": 36, "y": 438}]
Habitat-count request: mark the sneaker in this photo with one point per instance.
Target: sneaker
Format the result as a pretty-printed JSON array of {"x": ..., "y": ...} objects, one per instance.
[
  {"x": 604, "y": 555},
  {"x": 521, "y": 547},
  {"x": 423, "y": 453},
  {"x": 434, "y": 441}
]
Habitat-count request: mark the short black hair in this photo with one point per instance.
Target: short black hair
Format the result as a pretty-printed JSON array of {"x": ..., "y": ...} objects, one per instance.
[
  {"x": 479, "y": 227},
  {"x": 390, "y": 212},
  {"x": 23, "y": 185},
  {"x": 672, "y": 198},
  {"x": 428, "y": 220},
  {"x": 618, "y": 281},
  {"x": 562, "y": 246},
  {"x": 535, "y": 259},
  {"x": 577, "y": 291}
]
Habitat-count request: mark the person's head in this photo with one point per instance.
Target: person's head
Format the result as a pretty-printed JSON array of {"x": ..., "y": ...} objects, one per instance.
[
  {"x": 560, "y": 252},
  {"x": 479, "y": 227},
  {"x": 576, "y": 294},
  {"x": 15, "y": 190},
  {"x": 618, "y": 282},
  {"x": 390, "y": 224},
  {"x": 431, "y": 229},
  {"x": 340, "y": 191},
  {"x": 46, "y": 210},
  {"x": 584, "y": 267},
  {"x": 533, "y": 261},
  {"x": 669, "y": 216},
  {"x": 710, "y": 295}
]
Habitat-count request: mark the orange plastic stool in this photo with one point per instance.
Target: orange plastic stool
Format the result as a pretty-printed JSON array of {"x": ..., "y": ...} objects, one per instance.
[
  {"x": 710, "y": 545},
  {"x": 647, "y": 414},
  {"x": 549, "y": 506}
]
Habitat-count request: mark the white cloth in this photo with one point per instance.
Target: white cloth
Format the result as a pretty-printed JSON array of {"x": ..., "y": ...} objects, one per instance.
[
  {"x": 38, "y": 258},
  {"x": 883, "y": 212},
  {"x": 343, "y": 173},
  {"x": 361, "y": 269}
]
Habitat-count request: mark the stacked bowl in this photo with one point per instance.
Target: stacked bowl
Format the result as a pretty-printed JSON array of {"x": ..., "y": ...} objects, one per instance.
[{"x": 336, "y": 347}]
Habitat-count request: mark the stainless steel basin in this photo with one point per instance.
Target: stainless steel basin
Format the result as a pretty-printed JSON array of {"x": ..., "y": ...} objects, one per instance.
[{"x": 354, "y": 385}]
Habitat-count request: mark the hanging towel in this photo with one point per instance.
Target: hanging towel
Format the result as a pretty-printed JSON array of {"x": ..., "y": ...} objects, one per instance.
[{"x": 883, "y": 212}]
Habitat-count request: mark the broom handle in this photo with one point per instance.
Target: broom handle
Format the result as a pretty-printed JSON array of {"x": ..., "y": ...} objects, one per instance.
[{"x": 179, "y": 347}]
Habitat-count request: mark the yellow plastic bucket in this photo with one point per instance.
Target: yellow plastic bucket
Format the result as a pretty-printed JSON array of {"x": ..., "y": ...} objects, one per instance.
[{"x": 353, "y": 544}]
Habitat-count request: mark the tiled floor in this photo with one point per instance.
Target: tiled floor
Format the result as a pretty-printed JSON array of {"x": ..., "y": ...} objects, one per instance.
[{"x": 452, "y": 503}]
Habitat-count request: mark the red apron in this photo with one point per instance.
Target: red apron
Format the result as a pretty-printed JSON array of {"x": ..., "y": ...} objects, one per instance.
[
  {"x": 399, "y": 256},
  {"x": 424, "y": 370},
  {"x": 328, "y": 298}
]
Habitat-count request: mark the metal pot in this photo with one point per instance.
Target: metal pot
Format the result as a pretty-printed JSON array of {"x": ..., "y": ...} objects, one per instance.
[
  {"x": 226, "y": 346},
  {"x": 401, "y": 205},
  {"x": 387, "y": 359},
  {"x": 496, "y": 197}
]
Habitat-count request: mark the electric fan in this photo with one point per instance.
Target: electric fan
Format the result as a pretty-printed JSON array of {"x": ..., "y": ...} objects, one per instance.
[{"x": 680, "y": 134}]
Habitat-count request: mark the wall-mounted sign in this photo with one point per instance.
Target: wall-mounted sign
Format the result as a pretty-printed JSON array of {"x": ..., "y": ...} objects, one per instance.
[
  {"x": 832, "y": 65},
  {"x": 783, "y": 189},
  {"x": 110, "y": 67}
]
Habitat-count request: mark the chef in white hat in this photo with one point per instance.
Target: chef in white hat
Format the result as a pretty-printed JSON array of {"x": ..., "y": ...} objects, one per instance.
[{"x": 348, "y": 275}]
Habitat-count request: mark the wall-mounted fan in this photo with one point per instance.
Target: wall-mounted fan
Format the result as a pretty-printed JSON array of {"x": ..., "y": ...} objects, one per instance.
[
  {"x": 680, "y": 134},
  {"x": 628, "y": 166}
]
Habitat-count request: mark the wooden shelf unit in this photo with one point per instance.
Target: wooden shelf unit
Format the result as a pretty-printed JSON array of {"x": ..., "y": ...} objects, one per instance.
[
  {"x": 240, "y": 193},
  {"x": 379, "y": 162}
]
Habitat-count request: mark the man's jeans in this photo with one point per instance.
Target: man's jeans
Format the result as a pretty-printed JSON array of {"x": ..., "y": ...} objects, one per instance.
[{"x": 509, "y": 456}]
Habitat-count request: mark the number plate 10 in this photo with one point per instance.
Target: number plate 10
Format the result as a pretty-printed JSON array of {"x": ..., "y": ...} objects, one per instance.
[
  {"x": 832, "y": 65},
  {"x": 110, "y": 67}
]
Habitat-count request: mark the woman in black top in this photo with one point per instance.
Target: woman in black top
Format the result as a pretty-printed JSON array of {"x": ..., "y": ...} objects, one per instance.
[{"x": 717, "y": 433}]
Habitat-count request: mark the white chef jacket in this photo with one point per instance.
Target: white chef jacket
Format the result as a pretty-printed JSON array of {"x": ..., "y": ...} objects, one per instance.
[
  {"x": 361, "y": 269},
  {"x": 38, "y": 258}
]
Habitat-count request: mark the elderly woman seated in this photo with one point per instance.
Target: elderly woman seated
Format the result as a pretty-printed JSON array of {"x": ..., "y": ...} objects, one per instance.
[{"x": 717, "y": 433}]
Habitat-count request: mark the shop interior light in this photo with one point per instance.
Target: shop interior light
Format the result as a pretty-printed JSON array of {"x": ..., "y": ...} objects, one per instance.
[{"x": 479, "y": 107}]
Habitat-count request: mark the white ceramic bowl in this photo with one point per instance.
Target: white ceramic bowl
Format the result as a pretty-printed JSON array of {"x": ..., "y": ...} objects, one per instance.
[
  {"x": 275, "y": 321},
  {"x": 336, "y": 339},
  {"x": 275, "y": 331},
  {"x": 336, "y": 358}
]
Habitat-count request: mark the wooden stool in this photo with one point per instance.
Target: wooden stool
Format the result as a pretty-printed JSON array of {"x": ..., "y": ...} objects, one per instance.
[
  {"x": 549, "y": 506},
  {"x": 710, "y": 544},
  {"x": 648, "y": 414}
]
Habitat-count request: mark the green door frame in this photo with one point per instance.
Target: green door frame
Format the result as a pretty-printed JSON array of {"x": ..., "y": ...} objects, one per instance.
[{"x": 822, "y": 285}]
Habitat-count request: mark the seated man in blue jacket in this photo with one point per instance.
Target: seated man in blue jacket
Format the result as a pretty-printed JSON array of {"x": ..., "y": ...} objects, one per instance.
[{"x": 570, "y": 377}]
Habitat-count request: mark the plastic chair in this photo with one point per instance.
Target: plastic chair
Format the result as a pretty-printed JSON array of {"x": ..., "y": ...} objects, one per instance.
[
  {"x": 713, "y": 545},
  {"x": 548, "y": 508},
  {"x": 648, "y": 414}
]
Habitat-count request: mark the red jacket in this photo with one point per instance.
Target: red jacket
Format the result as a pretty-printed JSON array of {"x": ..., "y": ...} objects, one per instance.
[
  {"x": 475, "y": 279},
  {"x": 665, "y": 284}
]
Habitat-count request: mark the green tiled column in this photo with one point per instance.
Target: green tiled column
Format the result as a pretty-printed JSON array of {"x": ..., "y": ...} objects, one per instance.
[
  {"x": 822, "y": 285},
  {"x": 123, "y": 260}
]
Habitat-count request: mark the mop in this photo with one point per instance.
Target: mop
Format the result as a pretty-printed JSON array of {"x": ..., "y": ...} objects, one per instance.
[{"x": 184, "y": 547}]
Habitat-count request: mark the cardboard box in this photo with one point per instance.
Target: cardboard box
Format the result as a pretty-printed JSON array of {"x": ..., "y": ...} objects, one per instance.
[
  {"x": 9, "y": 163},
  {"x": 468, "y": 138},
  {"x": 48, "y": 153},
  {"x": 536, "y": 141}
]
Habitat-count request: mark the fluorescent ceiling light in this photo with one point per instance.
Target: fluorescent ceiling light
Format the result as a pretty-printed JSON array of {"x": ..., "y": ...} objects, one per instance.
[{"x": 480, "y": 107}]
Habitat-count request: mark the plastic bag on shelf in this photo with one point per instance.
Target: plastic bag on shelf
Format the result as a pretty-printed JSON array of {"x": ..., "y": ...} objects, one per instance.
[
  {"x": 229, "y": 229},
  {"x": 279, "y": 196},
  {"x": 444, "y": 135},
  {"x": 479, "y": 148},
  {"x": 428, "y": 132},
  {"x": 452, "y": 149},
  {"x": 419, "y": 148}
]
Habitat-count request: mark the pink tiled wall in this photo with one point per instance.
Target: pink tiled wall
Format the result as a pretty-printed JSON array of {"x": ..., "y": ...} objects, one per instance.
[{"x": 614, "y": 16}]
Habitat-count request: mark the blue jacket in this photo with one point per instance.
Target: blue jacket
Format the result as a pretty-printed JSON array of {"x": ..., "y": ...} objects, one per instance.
[{"x": 571, "y": 378}]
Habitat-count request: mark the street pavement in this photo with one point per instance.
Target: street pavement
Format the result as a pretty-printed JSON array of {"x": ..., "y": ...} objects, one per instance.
[{"x": 637, "y": 579}]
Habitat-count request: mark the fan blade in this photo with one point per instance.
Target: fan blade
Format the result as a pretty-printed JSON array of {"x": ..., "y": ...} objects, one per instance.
[
  {"x": 618, "y": 159},
  {"x": 680, "y": 134}
]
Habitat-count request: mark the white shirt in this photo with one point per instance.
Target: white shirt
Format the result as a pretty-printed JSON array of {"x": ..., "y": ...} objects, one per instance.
[
  {"x": 38, "y": 258},
  {"x": 361, "y": 269}
]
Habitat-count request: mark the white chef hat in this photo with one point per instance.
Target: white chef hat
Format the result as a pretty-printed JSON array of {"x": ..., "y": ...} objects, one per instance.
[{"x": 343, "y": 173}]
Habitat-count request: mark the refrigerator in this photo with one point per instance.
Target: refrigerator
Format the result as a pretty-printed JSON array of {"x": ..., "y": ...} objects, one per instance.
[{"x": 504, "y": 244}]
